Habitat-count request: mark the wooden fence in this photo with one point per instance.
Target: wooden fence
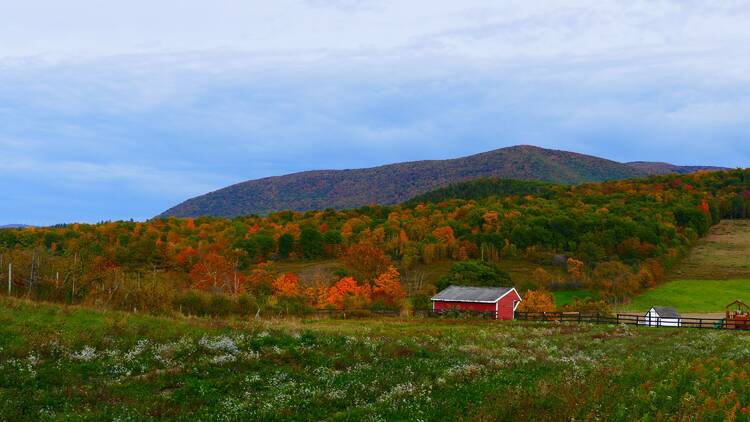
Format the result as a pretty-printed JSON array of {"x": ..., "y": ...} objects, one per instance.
[
  {"x": 568, "y": 317},
  {"x": 635, "y": 319}
]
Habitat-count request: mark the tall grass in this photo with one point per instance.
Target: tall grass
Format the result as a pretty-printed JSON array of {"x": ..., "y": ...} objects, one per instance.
[{"x": 60, "y": 363}]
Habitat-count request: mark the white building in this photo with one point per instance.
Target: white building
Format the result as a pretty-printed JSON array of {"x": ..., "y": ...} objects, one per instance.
[{"x": 662, "y": 316}]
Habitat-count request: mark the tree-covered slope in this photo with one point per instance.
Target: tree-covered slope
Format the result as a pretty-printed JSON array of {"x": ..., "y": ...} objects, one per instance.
[
  {"x": 484, "y": 188},
  {"x": 666, "y": 168},
  {"x": 395, "y": 183}
]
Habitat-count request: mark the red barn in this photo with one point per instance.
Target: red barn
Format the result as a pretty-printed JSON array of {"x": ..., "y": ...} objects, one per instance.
[{"x": 503, "y": 300}]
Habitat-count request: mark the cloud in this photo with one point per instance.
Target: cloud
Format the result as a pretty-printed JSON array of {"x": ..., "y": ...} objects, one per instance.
[{"x": 123, "y": 113}]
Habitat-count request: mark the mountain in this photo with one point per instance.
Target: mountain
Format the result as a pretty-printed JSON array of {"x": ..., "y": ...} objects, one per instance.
[
  {"x": 14, "y": 226},
  {"x": 666, "y": 168},
  {"x": 395, "y": 183}
]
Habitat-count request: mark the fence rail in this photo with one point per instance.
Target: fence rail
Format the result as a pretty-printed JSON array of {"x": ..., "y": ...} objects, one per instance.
[
  {"x": 569, "y": 317},
  {"x": 635, "y": 319}
]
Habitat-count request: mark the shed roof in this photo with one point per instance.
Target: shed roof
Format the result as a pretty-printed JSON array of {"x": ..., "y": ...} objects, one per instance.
[
  {"x": 472, "y": 294},
  {"x": 666, "y": 312}
]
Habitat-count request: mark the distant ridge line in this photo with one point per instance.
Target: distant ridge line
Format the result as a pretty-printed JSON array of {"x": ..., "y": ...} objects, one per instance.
[{"x": 395, "y": 183}]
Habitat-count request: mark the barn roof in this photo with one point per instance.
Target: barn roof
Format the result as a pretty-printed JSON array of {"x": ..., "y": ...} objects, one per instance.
[
  {"x": 472, "y": 294},
  {"x": 666, "y": 312}
]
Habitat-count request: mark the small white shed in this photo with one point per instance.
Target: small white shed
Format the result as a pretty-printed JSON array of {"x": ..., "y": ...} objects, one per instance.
[{"x": 662, "y": 316}]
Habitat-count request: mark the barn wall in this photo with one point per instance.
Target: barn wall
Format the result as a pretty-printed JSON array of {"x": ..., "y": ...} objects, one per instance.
[
  {"x": 505, "y": 306},
  {"x": 466, "y": 306}
]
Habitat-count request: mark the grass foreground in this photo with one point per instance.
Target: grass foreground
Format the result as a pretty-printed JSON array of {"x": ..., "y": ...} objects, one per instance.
[{"x": 59, "y": 363}]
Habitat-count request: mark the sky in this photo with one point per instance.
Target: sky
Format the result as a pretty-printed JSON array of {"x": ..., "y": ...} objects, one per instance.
[{"x": 120, "y": 110}]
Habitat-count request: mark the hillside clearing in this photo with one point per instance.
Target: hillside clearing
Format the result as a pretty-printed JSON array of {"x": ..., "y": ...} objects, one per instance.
[
  {"x": 722, "y": 255},
  {"x": 59, "y": 363},
  {"x": 714, "y": 273}
]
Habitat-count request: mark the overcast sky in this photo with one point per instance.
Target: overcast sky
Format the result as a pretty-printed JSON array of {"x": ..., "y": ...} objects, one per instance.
[{"x": 118, "y": 110}]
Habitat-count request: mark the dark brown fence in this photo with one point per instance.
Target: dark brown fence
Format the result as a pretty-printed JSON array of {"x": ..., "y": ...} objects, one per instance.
[
  {"x": 634, "y": 319},
  {"x": 569, "y": 317}
]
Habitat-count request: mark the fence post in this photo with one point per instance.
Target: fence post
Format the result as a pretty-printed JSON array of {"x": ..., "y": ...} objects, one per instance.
[
  {"x": 597, "y": 317},
  {"x": 618, "y": 319}
]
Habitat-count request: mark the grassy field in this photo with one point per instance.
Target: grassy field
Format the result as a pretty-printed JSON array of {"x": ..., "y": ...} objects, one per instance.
[
  {"x": 698, "y": 296},
  {"x": 714, "y": 273},
  {"x": 565, "y": 297},
  {"x": 722, "y": 255},
  {"x": 79, "y": 364}
]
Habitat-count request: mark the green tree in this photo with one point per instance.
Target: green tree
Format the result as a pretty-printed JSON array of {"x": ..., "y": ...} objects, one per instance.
[
  {"x": 286, "y": 245},
  {"x": 311, "y": 242},
  {"x": 475, "y": 273}
]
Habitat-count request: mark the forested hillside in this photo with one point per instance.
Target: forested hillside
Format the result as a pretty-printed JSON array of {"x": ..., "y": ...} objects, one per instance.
[
  {"x": 395, "y": 183},
  {"x": 666, "y": 168},
  {"x": 614, "y": 238}
]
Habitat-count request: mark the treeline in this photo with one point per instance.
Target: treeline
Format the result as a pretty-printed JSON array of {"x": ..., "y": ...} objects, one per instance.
[
  {"x": 484, "y": 188},
  {"x": 639, "y": 227}
]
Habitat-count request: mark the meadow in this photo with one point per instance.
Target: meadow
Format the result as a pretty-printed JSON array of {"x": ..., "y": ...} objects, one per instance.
[
  {"x": 694, "y": 296},
  {"x": 714, "y": 273},
  {"x": 74, "y": 363}
]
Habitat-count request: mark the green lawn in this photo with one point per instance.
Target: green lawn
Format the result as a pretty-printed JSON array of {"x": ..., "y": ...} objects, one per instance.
[
  {"x": 702, "y": 296},
  {"x": 565, "y": 297},
  {"x": 74, "y": 363}
]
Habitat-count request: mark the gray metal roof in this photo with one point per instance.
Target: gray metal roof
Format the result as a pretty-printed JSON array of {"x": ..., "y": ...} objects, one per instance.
[
  {"x": 472, "y": 294},
  {"x": 666, "y": 312}
]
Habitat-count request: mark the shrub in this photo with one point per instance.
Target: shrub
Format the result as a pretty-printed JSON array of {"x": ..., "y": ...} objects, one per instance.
[
  {"x": 191, "y": 303},
  {"x": 220, "y": 305},
  {"x": 537, "y": 301},
  {"x": 588, "y": 306}
]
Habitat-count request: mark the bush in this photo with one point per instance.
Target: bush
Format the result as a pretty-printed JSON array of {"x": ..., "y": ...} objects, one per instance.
[
  {"x": 220, "y": 305},
  {"x": 588, "y": 306},
  {"x": 191, "y": 303},
  {"x": 247, "y": 305},
  {"x": 421, "y": 302}
]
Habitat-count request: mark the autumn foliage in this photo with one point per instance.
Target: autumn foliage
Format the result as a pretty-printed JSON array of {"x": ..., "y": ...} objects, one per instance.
[
  {"x": 619, "y": 237},
  {"x": 286, "y": 285},
  {"x": 537, "y": 301},
  {"x": 387, "y": 287},
  {"x": 347, "y": 293},
  {"x": 366, "y": 260}
]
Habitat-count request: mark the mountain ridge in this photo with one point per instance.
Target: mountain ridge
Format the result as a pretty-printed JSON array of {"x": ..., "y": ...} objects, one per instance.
[
  {"x": 395, "y": 183},
  {"x": 657, "y": 167}
]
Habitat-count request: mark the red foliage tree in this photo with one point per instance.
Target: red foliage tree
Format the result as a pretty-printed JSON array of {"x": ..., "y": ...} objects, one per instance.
[
  {"x": 347, "y": 293},
  {"x": 214, "y": 272},
  {"x": 388, "y": 287},
  {"x": 366, "y": 261},
  {"x": 286, "y": 285}
]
